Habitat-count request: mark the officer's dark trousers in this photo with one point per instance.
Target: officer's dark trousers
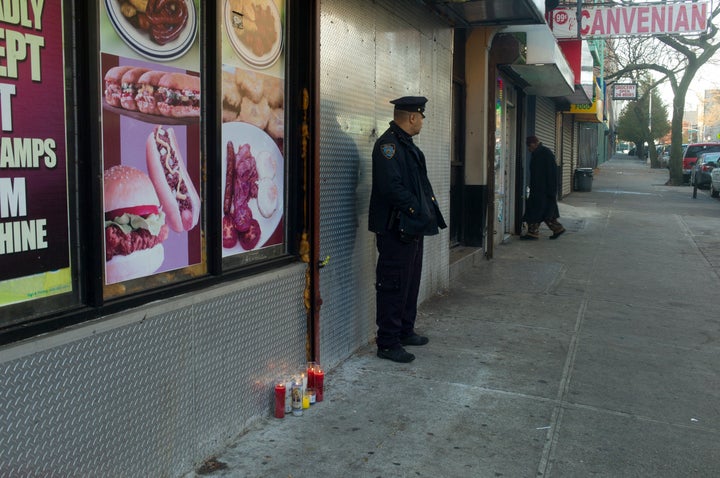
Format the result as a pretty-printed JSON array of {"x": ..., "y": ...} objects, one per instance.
[{"x": 398, "y": 272}]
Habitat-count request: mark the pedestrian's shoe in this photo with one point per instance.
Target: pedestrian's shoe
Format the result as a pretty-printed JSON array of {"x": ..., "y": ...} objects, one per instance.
[
  {"x": 528, "y": 237},
  {"x": 396, "y": 355},
  {"x": 414, "y": 339},
  {"x": 557, "y": 234}
]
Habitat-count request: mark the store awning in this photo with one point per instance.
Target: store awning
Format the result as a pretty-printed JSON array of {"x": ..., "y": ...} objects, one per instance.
[
  {"x": 477, "y": 13},
  {"x": 543, "y": 68},
  {"x": 577, "y": 53},
  {"x": 591, "y": 112}
]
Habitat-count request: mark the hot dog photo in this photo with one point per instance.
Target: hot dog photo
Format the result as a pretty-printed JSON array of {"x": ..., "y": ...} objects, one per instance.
[
  {"x": 151, "y": 170},
  {"x": 169, "y": 175}
]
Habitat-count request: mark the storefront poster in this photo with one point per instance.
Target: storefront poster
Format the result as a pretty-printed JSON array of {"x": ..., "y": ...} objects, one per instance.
[
  {"x": 151, "y": 133},
  {"x": 253, "y": 131},
  {"x": 34, "y": 231}
]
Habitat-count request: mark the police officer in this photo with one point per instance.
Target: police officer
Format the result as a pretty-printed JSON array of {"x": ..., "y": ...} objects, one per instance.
[{"x": 403, "y": 209}]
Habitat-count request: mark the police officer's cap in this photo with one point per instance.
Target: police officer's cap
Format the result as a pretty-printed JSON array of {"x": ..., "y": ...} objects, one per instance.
[{"x": 414, "y": 104}]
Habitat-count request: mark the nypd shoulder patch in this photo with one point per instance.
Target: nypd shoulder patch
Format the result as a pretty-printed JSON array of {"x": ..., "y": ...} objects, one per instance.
[{"x": 388, "y": 150}]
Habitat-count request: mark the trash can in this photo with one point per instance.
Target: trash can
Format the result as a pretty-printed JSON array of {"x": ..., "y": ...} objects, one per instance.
[{"x": 583, "y": 179}]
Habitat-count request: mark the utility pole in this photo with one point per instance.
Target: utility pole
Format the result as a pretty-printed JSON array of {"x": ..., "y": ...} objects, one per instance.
[{"x": 578, "y": 18}]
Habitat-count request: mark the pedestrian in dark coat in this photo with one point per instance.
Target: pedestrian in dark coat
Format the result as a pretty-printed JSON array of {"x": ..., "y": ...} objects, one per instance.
[
  {"x": 541, "y": 205},
  {"x": 403, "y": 210}
]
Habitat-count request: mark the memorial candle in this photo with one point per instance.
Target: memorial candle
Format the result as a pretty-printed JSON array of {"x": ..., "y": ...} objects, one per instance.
[
  {"x": 279, "y": 400},
  {"x": 288, "y": 397},
  {"x": 311, "y": 375},
  {"x": 306, "y": 400},
  {"x": 297, "y": 396},
  {"x": 319, "y": 384}
]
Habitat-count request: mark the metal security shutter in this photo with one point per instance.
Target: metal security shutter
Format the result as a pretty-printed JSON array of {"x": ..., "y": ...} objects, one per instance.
[
  {"x": 545, "y": 122},
  {"x": 587, "y": 145},
  {"x": 567, "y": 166}
]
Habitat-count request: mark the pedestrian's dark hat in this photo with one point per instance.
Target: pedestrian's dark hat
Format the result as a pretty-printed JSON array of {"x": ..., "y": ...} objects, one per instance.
[
  {"x": 531, "y": 140},
  {"x": 414, "y": 104}
]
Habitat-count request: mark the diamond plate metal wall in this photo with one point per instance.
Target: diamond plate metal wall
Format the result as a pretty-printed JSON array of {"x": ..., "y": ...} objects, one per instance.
[
  {"x": 372, "y": 52},
  {"x": 151, "y": 392}
]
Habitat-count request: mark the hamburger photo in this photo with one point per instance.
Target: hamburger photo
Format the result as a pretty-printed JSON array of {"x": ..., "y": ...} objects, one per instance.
[{"x": 134, "y": 225}]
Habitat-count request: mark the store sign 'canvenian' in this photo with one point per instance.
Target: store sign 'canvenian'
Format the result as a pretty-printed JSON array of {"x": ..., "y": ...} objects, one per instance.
[{"x": 669, "y": 18}]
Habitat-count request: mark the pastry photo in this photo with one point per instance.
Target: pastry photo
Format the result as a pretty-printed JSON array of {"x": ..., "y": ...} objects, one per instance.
[{"x": 255, "y": 30}]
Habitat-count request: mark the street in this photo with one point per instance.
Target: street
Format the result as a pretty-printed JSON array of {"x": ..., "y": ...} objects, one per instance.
[{"x": 593, "y": 355}]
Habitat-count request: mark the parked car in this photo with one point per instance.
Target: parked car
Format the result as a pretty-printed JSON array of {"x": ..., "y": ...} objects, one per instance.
[
  {"x": 664, "y": 155},
  {"x": 705, "y": 163},
  {"x": 715, "y": 179},
  {"x": 691, "y": 153}
]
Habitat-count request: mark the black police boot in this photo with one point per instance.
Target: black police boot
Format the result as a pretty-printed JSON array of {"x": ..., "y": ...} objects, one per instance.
[
  {"x": 414, "y": 339},
  {"x": 396, "y": 355}
]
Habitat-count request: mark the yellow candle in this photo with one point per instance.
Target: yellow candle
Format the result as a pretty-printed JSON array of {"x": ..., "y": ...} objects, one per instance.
[{"x": 306, "y": 401}]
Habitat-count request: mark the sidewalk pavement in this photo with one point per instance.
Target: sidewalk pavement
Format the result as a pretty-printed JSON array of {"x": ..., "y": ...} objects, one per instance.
[{"x": 596, "y": 354}]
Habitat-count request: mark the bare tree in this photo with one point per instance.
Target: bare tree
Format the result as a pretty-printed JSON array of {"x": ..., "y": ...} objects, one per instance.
[{"x": 675, "y": 59}]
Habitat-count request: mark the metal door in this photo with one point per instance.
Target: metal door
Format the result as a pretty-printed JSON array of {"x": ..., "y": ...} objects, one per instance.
[{"x": 505, "y": 133}]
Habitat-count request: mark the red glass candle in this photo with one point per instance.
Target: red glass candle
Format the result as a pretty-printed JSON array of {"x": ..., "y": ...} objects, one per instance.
[
  {"x": 319, "y": 384},
  {"x": 279, "y": 400},
  {"x": 311, "y": 375}
]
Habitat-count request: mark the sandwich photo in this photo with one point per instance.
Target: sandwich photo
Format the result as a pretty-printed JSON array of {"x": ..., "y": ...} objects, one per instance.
[
  {"x": 154, "y": 92},
  {"x": 179, "y": 95},
  {"x": 134, "y": 225},
  {"x": 130, "y": 85},
  {"x": 113, "y": 85},
  {"x": 147, "y": 85}
]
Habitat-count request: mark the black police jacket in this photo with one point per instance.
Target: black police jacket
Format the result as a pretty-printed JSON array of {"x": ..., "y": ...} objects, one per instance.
[{"x": 402, "y": 198}]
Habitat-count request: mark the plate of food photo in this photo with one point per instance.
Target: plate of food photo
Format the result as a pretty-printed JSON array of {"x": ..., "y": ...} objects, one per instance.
[
  {"x": 255, "y": 30},
  {"x": 163, "y": 30},
  {"x": 253, "y": 178}
]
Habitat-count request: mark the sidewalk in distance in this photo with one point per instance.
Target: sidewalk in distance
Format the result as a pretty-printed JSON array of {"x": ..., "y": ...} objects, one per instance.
[{"x": 591, "y": 355}]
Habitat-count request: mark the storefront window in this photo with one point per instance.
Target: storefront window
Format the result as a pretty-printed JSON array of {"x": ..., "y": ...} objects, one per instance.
[
  {"x": 253, "y": 130},
  {"x": 35, "y": 234},
  {"x": 145, "y": 171},
  {"x": 150, "y": 63}
]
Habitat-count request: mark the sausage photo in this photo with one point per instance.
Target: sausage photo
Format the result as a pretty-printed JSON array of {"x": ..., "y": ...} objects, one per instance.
[{"x": 168, "y": 172}]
